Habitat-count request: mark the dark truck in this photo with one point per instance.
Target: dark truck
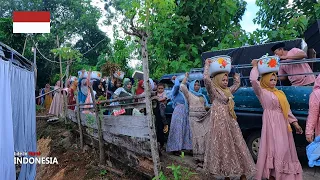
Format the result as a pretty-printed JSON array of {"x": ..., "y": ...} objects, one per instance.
[{"x": 247, "y": 105}]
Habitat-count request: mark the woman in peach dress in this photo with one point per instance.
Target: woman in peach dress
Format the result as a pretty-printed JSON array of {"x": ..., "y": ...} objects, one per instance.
[
  {"x": 226, "y": 152},
  {"x": 313, "y": 122},
  {"x": 277, "y": 158}
]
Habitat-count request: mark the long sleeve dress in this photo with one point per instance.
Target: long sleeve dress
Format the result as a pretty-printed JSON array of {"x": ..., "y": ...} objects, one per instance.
[
  {"x": 57, "y": 103},
  {"x": 277, "y": 152},
  {"x": 199, "y": 119},
  {"x": 313, "y": 122},
  {"x": 226, "y": 152},
  {"x": 180, "y": 136}
]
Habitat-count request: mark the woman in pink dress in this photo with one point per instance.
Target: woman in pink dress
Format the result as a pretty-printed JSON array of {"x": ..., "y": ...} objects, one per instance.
[
  {"x": 277, "y": 158},
  {"x": 313, "y": 122}
]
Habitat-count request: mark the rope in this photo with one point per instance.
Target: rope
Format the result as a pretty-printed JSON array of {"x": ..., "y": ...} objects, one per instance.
[{"x": 35, "y": 44}]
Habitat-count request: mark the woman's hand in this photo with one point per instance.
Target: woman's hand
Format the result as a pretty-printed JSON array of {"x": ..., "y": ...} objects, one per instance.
[
  {"x": 236, "y": 75},
  {"x": 208, "y": 61},
  {"x": 187, "y": 75},
  {"x": 309, "y": 138},
  {"x": 165, "y": 129},
  {"x": 173, "y": 77},
  {"x": 254, "y": 63},
  {"x": 298, "y": 128}
]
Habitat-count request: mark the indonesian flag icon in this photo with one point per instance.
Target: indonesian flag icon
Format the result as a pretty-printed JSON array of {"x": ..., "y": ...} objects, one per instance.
[{"x": 31, "y": 22}]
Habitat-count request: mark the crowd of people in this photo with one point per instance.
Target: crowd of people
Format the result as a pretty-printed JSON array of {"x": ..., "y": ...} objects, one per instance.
[{"x": 211, "y": 132}]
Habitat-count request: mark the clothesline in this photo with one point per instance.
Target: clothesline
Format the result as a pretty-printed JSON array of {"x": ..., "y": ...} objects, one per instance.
[{"x": 35, "y": 44}]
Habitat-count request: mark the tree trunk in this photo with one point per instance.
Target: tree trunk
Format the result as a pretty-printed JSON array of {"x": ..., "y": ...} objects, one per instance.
[{"x": 150, "y": 116}]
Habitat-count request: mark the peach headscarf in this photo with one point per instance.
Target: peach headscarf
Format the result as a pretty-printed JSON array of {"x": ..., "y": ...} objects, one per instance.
[{"x": 217, "y": 81}]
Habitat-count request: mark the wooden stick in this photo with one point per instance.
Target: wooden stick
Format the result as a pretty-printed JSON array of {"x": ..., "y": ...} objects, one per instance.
[
  {"x": 79, "y": 123},
  {"x": 150, "y": 116},
  {"x": 118, "y": 99},
  {"x": 48, "y": 93},
  {"x": 65, "y": 97},
  {"x": 24, "y": 46},
  {"x": 102, "y": 160}
]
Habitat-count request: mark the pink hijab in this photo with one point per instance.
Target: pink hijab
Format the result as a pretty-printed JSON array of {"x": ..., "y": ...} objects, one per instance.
[{"x": 317, "y": 83}]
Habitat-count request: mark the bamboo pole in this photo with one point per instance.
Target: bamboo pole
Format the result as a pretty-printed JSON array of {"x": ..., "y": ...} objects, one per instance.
[
  {"x": 48, "y": 93},
  {"x": 118, "y": 99},
  {"x": 25, "y": 44},
  {"x": 101, "y": 144},
  {"x": 79, "y": 122},
  {"x": 61, "y": 84}
]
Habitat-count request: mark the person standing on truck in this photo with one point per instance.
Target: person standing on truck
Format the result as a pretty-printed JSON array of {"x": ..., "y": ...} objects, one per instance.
[
  {"x": 226, "y": 152},
  {"x": 277, "y": 158},
  {"x": 293, "y": 54},
  {"x": 313, "y": 122}
]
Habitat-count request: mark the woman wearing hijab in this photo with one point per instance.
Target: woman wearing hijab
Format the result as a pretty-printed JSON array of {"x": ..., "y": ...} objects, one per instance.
[
  {"x": 198, "y": 117},
  {"x": 71, "y": 98},
  {"x": 313, "y": 122},
  {"x": 140, "y": 88},
  {"x": 57, "y": 102},
  {"x": 180, "y": 137},
  {"x": 277, "y": 158},
  {"x": 226, "y": 152},
  {"x": 123, "y": 92},
  {"x": 98, "y": 87},
  {"x": 48, "y": 97}
]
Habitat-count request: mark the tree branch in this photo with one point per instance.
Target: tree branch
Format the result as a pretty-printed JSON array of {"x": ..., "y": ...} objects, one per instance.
[{"x": 135, "y": 31}]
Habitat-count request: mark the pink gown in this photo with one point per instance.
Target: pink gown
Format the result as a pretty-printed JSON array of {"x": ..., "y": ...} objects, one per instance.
[
  {"x": 313, "y": 122},
  {"x": 277, "y": 152}
]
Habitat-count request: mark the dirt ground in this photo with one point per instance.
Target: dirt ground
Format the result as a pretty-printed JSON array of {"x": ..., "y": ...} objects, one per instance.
[{"x": 56, "y": 140}]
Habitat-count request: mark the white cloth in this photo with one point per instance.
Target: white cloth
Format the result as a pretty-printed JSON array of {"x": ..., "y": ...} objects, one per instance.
[
  {"x": 17, "y": 119},
  {"x": 7, "y": 167},
  {"x": 23, "y": 116}
]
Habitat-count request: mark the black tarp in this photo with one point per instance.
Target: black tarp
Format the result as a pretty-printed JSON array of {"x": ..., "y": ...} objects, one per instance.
[{"x": 244, "y": 55}]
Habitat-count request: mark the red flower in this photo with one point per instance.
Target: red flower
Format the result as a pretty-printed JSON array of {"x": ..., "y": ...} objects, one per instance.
[{"x": 272, "y": 63}]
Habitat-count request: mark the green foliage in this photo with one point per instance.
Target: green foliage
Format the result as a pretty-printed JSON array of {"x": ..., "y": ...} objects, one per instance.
[
  {"x": 40, "y": 109},
  {"x": 91, "y": 120},
  {"x": 103, "y": 172},
  {"x": 283, "y": 21},
  {"x": 178, "y": 172},
  {"x": 67, "y": 53},
  {"x": 179, "y": 31},
  {"x": 73, "y": 21}
]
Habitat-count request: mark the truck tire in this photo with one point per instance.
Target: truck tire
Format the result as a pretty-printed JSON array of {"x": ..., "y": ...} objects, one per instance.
[{"x": 253, "y": 141}]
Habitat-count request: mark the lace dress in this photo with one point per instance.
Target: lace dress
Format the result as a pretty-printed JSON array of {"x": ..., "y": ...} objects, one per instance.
[
  {"x": 226, "y": 152},
  {"x": 277, "y": 152},
  {"x": 199, "y": 119}
]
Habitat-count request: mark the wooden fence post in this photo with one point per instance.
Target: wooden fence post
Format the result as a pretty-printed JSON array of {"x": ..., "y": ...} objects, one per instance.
[
  {"x": 102, "y": 160},
  {"x": 150, "y": 118},
  {"x": 79, "y": 122},
  {"x": 65, "y": 95}
]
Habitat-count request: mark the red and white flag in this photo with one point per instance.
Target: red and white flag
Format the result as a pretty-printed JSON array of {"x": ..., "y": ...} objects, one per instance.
[{"x": 31, "y": 22}]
